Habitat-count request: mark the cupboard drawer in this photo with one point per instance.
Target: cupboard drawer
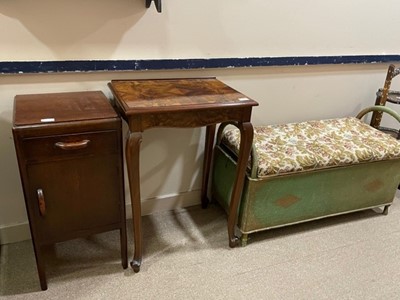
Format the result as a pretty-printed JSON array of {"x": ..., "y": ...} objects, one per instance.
[{"x": 71, "y": 145}]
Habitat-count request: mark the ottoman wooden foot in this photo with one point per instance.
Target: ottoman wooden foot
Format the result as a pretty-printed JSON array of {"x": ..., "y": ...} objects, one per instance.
[
  {"x": 244, "y": 239},
  {"x": 386, "y": 210}
]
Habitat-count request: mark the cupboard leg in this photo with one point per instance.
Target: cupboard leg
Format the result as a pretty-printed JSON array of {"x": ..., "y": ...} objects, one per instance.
[
  {"x": 40, "y": 266},
  {"x": 124, "y": 246}
]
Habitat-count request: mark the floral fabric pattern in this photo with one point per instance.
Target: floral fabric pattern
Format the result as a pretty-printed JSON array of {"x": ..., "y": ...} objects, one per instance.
[{"x": 315, "y": 144}]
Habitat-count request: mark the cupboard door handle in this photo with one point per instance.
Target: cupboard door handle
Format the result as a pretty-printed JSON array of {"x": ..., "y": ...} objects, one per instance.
[
  {"x": 72, "y": 145},
  {"x": 42, "y": 204}
]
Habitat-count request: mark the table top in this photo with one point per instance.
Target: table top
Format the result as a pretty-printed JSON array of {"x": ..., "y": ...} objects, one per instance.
[
  {"x": 61, "y": 107},
  {"x": 169, "y": 95}
]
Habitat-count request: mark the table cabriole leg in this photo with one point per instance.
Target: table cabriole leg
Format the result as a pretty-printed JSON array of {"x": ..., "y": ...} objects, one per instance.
[
  {"x": 210, "y": 133},
  {"x": 246, "y": 140},
  {"x": 132, "y": 160}
]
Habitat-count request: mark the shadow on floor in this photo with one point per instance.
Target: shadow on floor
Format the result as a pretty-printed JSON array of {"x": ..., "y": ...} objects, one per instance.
[
  {"x": 98, "y": 254},
  {"x": 166, "y": 234}
]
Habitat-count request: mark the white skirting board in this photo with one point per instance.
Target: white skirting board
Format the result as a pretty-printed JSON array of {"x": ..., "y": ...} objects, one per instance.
[{"x": 20, "y": 231}]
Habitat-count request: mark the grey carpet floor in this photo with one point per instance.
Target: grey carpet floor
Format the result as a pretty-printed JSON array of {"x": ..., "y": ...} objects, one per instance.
[{"x": 186, "y": 256}]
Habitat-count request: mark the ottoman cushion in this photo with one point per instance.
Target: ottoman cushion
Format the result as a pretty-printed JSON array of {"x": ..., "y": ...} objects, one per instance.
[{"x": 297, "y": 147}]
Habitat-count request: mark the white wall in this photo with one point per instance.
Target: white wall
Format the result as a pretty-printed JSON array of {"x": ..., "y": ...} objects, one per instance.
[
  {"x": 124, "y": 29},
  {"x": 171, "y": 158}
]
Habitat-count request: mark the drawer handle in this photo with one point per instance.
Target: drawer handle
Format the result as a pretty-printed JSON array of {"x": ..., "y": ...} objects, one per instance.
[
  {"x": 42, "y": 204},
  {"x": 72, "y": 145}
]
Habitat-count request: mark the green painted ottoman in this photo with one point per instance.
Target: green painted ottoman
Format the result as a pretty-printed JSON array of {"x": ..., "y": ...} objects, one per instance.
[{"x": 306, "y": 171}]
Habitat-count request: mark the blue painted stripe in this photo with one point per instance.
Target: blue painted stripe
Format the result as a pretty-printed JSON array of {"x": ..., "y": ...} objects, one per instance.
[{"x": 15, "y": 67}]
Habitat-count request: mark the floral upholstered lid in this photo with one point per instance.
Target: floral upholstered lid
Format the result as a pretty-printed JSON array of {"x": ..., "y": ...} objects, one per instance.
[{"x": 315, "y": 144}]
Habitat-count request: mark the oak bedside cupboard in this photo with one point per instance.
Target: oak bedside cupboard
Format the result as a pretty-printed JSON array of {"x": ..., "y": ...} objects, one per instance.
[{"x": 69, "y": 151}]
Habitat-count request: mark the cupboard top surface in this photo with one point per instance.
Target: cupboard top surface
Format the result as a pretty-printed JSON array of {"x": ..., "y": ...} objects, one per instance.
[{"x": 61, "y": 107}]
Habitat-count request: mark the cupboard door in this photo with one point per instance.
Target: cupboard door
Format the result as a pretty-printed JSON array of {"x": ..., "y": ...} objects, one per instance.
[{"x": 74, "y": 196}]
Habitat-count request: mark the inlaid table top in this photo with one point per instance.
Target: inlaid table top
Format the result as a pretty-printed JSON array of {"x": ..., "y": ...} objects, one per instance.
[{"x": 169, "y": 95}]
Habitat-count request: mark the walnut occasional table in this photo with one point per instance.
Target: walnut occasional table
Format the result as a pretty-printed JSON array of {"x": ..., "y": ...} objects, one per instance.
[{"x": 182, "y": 103}]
